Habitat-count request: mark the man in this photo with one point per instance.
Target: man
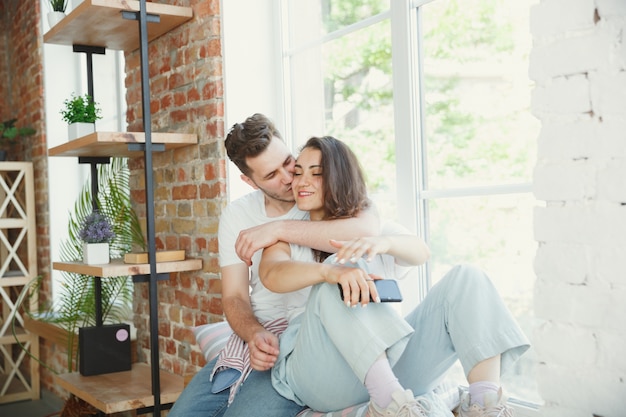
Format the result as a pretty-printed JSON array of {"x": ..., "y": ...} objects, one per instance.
[{"x": 266, "y": 164}]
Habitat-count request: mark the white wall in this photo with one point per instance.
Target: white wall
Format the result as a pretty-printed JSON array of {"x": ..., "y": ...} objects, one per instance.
[
  {"x": 579, "y": 64},
  {"x": 252, "y": 69}
]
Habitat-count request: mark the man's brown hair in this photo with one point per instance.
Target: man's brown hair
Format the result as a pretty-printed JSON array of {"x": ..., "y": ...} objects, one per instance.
[{"x": 249, "y": 139}]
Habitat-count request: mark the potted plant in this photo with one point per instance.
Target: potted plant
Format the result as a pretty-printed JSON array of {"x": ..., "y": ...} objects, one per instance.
[
  {"x": 80, "y": 113},
  {"x": 96, "y": 233},
  {"x": 57, "y": 13},
  {"x": 9, "y": 134}
]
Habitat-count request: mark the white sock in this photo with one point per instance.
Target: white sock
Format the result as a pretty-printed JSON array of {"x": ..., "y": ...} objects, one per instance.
[
  {"x": 381, "y": 382},
  {"x": 478, "y": 390}
]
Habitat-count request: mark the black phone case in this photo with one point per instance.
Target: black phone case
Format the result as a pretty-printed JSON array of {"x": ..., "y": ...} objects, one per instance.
[{"x": 388, "y": 291}]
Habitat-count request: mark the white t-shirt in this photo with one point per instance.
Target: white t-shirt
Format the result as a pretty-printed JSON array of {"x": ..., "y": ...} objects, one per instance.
[{"x": 243, "y": 213}]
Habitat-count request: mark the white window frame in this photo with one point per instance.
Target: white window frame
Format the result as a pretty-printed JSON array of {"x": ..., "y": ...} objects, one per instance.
[{"x": 413, "y": 194}]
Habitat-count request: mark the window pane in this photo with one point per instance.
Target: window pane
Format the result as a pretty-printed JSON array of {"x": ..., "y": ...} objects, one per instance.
[
  {"x": 328, "y": 16},
  {"x": 478, "y": 131},
  {"x": 496, "y": 234},
  {"x": 352, "y": 97},
  {"x": 478, "y": 127}
]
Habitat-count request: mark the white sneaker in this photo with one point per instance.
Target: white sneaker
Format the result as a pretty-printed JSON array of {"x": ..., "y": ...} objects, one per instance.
[
  {"x": 495, "y": 406},
  {"x": 402, "y": 405}
]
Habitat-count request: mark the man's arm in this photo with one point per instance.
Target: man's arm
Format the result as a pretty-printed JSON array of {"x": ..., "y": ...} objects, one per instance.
[
  {"x": 315, "y": 235},
  {"x": 238, "y": 310},
  {"x": 236, "y": 301}
]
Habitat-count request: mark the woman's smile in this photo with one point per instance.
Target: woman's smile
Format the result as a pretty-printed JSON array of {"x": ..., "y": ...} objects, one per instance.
[{"x": 307, "y": 182}]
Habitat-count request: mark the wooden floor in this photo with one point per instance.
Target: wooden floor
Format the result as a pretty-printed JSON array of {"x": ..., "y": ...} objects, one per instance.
[{"x": 48, "y": 405}]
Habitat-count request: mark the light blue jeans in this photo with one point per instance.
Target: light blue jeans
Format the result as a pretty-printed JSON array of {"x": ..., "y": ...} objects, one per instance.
[
  {"x": 256, "y": 398},
  {"x": 326, "y": 351}
]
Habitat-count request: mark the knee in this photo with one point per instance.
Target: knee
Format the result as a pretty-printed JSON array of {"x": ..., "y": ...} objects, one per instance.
[
  {"x": 326, "y": 291},
  {"x": 321, "y": 295},
  {"x": 325, "y": 297},
  {"x": 469, "y": 271},
  {"x": 467, "y": 277}
]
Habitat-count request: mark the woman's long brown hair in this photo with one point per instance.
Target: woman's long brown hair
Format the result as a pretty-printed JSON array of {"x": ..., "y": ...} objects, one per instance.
[{"x": 344, "y": 188}]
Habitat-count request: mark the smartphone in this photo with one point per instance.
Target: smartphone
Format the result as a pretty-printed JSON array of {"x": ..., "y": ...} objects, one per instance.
[{"x": 388, "y": 291}]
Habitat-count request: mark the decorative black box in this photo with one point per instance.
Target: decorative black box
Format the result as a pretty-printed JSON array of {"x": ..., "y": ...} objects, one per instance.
[{"x": 104, "y": 349}]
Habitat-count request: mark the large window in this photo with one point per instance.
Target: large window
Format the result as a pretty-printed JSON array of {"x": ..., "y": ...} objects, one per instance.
[{"x": 434, "y": 97}]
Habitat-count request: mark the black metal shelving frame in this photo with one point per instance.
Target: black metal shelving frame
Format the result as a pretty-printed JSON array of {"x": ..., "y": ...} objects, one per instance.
[{"x": 142, "y": 18}]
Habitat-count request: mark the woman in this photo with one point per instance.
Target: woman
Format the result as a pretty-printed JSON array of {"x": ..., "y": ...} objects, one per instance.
[{"x": 332, "y": 357}]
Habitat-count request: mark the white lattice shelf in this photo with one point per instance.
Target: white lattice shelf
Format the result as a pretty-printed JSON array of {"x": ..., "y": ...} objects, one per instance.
[{"x": 18, "y": 267}]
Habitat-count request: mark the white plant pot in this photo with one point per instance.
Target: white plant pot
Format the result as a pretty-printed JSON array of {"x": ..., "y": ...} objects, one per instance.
[
  {"x": 78, "y": 130},
  {"x": 96, "y": 253},
  {"x": 54, "y": 18}
]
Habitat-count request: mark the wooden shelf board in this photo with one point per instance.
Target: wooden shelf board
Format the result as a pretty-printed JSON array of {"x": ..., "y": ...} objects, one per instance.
[
  {"x": 49, "y": 331},
  {"x": 161, "y": 256},
  {"x": 100, "y": 23},
  {"x": 118, "y": 268},
  {"x": 103, "y": 144},
  {"x": 122, "y": 391}
]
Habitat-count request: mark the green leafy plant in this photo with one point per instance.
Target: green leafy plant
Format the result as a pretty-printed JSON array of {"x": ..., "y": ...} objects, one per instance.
[
  {"x": 9, "y": 133},
  {"x": 80, "y": 109},
  {"x": 58, "y": 5}
]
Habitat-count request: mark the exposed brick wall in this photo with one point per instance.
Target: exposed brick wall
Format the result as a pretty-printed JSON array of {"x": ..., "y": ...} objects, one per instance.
[
  {"x": 22, "y": 92},
  {"x": 190, "y": 188},
  {"x": 579, "y": 65},
  {"x": 4, "y": 61},
  {"x": 189, "y": 183}
]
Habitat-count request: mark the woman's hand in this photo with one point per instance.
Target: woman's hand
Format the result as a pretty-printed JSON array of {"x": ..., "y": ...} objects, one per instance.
[
  {"x": 352, "y": 250},
  {"x": 407, "y": 249},
  {"x": 357, "y": 286}
]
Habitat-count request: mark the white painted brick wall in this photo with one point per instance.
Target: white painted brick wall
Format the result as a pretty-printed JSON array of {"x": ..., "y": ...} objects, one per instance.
[
  {"x": 562, "y": 96},
  {"x": 572, "y": 180},
  {"x": 584, "y": 137},
  {"x": 608, "y": 93},
  {"x": 557, "y": 18},
  {"x": 575, "y": 55},
  {"x": 578, "y": 64}
]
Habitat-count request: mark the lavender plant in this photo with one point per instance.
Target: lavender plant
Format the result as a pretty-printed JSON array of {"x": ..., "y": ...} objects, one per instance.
[{"x": 96, "y": 229}]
